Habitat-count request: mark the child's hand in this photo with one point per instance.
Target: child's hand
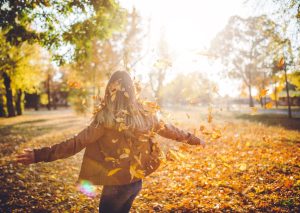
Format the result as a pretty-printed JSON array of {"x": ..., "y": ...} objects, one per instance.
[
  {"x": 194, "y": 140},
  {"x": 202, "y": 143},
  {"x": 26, "y": 158}
]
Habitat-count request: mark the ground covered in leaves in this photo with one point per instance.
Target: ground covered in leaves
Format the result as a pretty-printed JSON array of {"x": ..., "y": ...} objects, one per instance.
[{"x": 251, "y": 163}]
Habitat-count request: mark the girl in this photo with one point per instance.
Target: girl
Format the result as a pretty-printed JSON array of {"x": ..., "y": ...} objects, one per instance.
[{"x": 119, "y": 146}]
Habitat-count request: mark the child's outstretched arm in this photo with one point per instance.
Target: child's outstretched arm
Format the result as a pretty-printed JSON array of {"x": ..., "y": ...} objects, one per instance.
[
  {"x": 172, "y": 132},
  {"x": 64, "y": 149}
]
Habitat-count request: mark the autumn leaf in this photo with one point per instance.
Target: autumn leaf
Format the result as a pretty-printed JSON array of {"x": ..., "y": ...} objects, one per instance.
[
  {"x": 119, "y": 120},
  {"x": 122, "y": 127},
  {"x": 126, "y": 94},
  {"x": 113, "y": 97},
  {"x": 263, "y": 92},
  {"x": 188, "y": 116},
  {"x": 269, "y": 105},
  {"x": 138, "y": 159},
  {"x": 281, "y": 63},
  {"x": 243, "y": 167},
  {"x": 124, "y": 155},
  {"x": 114, "y": 140},
  {"x": 253, "y": 110},
  {"x": 288, "y": 183},
  {"x": 209, "y": 116},
  {"x": 109, "y": 159},
  {"x": 134, "y": 172},
  {"x": 114, "y": 171},
  {"x": 74, "y": 84}
]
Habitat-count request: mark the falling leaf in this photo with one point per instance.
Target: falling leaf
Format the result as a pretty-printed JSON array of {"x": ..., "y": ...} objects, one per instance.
[
  {"x": 209, "y": 116},
  {"x": 138, "y": 159},
  {"x": 281, "y": 63},
  {"x": 126, "y": 94},
  {"x": 187, "y": 115},
  {"x": 263, "y": 92},
  {"x": 127, "y": 151},
  {"x": 114, "y": 140},
  {"x": 253, "y": 110},
  {"x": 113, "y": 97},
  {"x": 109, "y": 159},
  {"x": 134, "y": 172},
  {"x": 124, "y": 155},
  {"x": 119, "y": 120},
  {"x": 269, "y": 105},
  {"x": 122, "y": 127},
  {"x": 114, "y": 171},
  {"x": 74, "y": 84}
]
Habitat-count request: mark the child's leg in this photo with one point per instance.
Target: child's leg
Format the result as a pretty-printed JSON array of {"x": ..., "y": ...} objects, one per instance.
[{"x": 118, "y": 199}]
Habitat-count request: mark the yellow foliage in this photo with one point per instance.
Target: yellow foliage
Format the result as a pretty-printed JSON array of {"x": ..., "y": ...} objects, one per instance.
[{"x": 114, "y": 171}]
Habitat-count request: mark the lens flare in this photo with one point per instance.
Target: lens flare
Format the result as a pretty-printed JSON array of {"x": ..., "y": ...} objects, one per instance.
[{"x": 87, "y": 188}]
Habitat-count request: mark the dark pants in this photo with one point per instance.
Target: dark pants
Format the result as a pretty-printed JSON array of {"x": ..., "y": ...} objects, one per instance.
[{"x": 118, "y": 199}]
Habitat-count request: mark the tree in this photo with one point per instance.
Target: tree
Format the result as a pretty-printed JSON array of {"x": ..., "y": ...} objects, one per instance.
[
  {"x": 242, "y": 47},
  {"x": 121, "y": 51},
  {"x": 295, "y": 79},
  {"x": 161, "y": 66},
  {"x": 22, "y": 71},
  {"x": 191, "y": 88},
  {"x": 41, "y": 21}
]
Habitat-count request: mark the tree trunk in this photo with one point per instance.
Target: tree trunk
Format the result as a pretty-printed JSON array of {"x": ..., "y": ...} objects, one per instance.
[
  {"x": 251, "y": 104},
  {"x": 19, "y": 102},
  {"x": 264, "y": 101},
  {"x": 275, "y": 95},
  {"x": 261, "y": 102},
  {"x": 287, "y": 93},
  {"x": 2, "y": 111},
  {"x": 54, "y": 101},
  {"x": 36, "y": 102},
  {"x": 9, "y": 96},
  {"x": 49, "y": 92}
]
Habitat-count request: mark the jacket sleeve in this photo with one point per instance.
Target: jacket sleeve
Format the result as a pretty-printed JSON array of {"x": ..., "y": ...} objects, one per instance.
[
  {"x": 172, "y": 132},
  {"x": 70, "y": 146}
]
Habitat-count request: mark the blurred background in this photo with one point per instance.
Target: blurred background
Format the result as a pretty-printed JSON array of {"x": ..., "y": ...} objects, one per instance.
[{"x": 231, "y": 55}]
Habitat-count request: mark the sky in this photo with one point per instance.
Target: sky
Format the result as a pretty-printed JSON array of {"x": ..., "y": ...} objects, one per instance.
[{"x": 188, "y": 27}]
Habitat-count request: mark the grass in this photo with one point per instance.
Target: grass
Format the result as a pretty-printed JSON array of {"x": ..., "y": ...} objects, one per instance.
[{"x": 250, "y": 163}]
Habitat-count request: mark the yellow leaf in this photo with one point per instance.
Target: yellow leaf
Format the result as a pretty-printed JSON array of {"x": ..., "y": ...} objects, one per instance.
[
  {"x": 122, "y": 127},
  {"x": 263, "y": 92},
  {"x": 127, "y": 151},
  {"x": 280, "y": 63},
  {"x": 114, "y": 140},
  {"x": 134, "y": 172},
  {"x": 253, "y": 110},
  {"x": 113, "y": 97},
  {"x": 114, "y": 171},
  {"x": 187, "y": 115},
  {"x": 209, "y": 116},
  {"x": 243, "y": 167},
  {"x": 73, "y": 84},
  {"x": 109, "y": 159},
  {"x": 138, "y": 159},
  {"x": 124, "y": 155},
  {"x": 126, "y": 94},
  {"x": 269, "y": 105},
  {"x": 119, "y": 120}
]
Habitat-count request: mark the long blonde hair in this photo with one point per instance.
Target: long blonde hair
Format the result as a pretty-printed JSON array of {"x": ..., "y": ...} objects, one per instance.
[{"x": 121, "y": 109}]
